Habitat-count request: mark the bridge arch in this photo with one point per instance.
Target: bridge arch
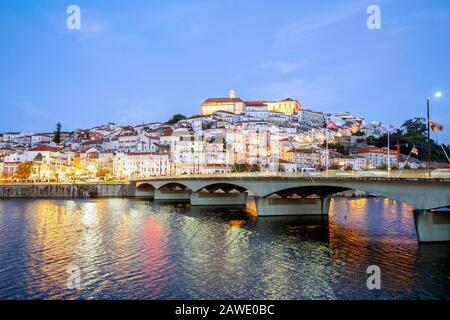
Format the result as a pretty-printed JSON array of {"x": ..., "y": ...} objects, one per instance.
[
  {"x": 174, "y": 186},
  {"x": 144, "y": 185},
  {"x": 395, "y": 190},
  {"x": 224, "y": 187},
  {"x": 307, "y": 191},
  {"x": 421, "y": 194},
  {"x": 145, "y": 190}
]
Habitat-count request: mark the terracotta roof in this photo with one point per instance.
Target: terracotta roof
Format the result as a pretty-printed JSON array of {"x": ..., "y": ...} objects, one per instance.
[
  {"x": 142, "y": 153},
  {"x": 167, "y": 132},
  {"x": 304, "y": 151},
  {"x": 86, "y": 143},
  {"x": 41, "y": 135},
  {"x": 350, "y": 157},
  {"x": 375, "y": 150},
  {"x": 128, "y": 134},
  {"x": 221, "y": 100},
  {"x": 256, "y": 103},
  {"x": 44, "y": 148}
]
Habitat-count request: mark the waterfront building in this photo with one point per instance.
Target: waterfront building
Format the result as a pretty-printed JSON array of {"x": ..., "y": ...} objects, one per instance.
[
  {"x": 377, "y": 157},
  {"x": 304, "y": 158},
  {"x": 344, "y": 161},
  {"x": 9, "y": 169},
  {"x": 287, "y": 166},
  {"x": 218, "y": 169},
  {"x": 140, "y": 165}
]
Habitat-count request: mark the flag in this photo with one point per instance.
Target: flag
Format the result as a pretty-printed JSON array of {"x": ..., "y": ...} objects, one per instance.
[
  {"x": 436, "y": 126},
  {"x": 415, "y": 151},
  {"x": 331, "y": 124},
  {"x": 392, "y": 128}
]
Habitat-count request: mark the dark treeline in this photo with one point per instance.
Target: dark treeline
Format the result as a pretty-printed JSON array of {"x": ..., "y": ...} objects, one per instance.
[{"x": 413, "y": 132}]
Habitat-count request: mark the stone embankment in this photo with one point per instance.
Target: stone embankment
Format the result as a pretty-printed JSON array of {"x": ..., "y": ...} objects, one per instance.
[{"x": 67, "y": 190}]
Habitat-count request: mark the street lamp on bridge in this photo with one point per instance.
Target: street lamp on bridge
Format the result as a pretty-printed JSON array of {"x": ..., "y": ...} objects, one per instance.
[{"x": 437, "y": 95}]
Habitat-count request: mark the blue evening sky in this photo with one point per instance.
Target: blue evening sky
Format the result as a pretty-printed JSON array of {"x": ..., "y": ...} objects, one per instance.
[{"x": 140, "y": 61}]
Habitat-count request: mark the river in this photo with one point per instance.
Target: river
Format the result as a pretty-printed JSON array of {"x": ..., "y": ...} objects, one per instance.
[{"x": 138, "y": 249}]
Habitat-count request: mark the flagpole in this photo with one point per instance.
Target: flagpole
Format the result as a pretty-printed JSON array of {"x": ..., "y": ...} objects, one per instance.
[
  {"x": 388, "y": 151},
  {"x": 442, "y": 146},
  {"x": 445, "y": 152},
  {"x": 406, "y": 162},
  {"x": 326, "y": 150},
  {"x": 429, "y": 141}
]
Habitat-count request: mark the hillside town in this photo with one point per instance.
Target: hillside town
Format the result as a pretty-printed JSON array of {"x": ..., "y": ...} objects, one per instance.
[{"x": 229, "y": 135}]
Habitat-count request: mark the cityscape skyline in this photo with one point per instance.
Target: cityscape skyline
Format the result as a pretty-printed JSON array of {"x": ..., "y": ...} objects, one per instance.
[
  {"x": 109, "y": 71},
  {"x": 236, "y": 153}
]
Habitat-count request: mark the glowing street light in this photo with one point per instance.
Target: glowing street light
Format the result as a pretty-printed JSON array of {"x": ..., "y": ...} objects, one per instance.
[{"x": 438, "y": 94}]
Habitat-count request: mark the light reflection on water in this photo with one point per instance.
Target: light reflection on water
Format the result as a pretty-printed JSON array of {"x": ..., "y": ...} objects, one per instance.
[{"x": 137, "y": 249}]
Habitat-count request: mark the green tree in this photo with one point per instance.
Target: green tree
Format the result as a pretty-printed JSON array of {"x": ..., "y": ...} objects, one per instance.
[
  {"x": 413, "y": 132},
  {"x": 176, "y": 118},
  {"x": 103, "y": 173},
  {"x": 24, "y": 170},
  {"x": 57, "y": 134},
  {"x": 338, "y": 147},
  {"x": 371, "y": 140}
]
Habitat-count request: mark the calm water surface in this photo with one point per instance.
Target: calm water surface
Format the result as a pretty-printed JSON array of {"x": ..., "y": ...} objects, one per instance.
[{"x": 136, "y": 249}]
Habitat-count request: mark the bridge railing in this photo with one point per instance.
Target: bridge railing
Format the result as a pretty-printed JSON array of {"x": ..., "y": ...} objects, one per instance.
[{"x": 411, "y": 174}]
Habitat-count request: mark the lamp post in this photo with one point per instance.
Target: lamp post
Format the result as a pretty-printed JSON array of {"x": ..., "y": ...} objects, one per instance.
[
  {"x": 428, "y": 139},
  {"x": 436, "y": 95}
]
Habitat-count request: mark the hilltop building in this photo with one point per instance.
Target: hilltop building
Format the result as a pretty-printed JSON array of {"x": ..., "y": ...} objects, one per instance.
[
  {"x": 230, "y": 104},
  {"x": 236, "y": 105}
]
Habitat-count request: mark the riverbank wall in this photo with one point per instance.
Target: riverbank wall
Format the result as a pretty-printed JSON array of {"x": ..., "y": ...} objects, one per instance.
[{"x": 67, "y": 190}]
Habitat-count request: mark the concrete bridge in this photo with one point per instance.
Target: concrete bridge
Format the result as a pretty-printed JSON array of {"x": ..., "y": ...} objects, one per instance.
[{"x": 287, "y": 194}]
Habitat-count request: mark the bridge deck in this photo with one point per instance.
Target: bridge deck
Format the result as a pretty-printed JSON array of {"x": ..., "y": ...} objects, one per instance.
[{"x": 309, "y": 176}]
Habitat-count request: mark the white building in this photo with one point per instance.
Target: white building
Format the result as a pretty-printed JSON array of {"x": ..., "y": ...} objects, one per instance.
[
  {"x": 40, "y": 138},
  {"x": 374, "y": 129},
  {"x": 311, "y": 118},
  {"x": 306, "y": 158},
  {"x": 355, "y": 162},
  {"x": 140, "y": 165},
  {"x": 377, "y": 157},
  {"x": 256, "y": 110}
]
